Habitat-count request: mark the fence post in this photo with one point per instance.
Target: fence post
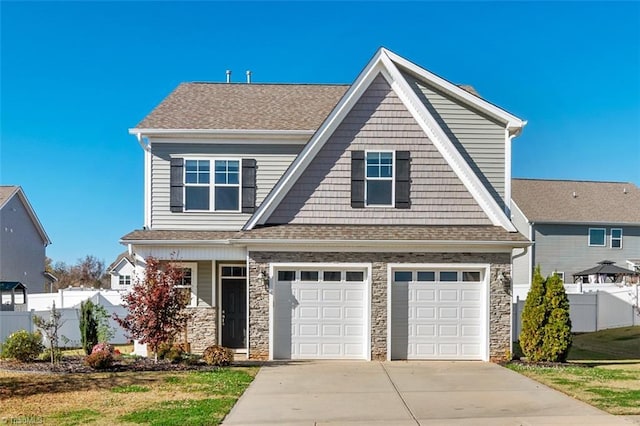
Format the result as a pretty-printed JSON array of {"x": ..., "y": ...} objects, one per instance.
[{"x": 597, "y": 308}]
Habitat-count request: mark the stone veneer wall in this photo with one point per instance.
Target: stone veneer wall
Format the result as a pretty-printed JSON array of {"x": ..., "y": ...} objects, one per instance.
[
  {"x": 202, "y": 329},
  {"x": 499, "y": 310}
]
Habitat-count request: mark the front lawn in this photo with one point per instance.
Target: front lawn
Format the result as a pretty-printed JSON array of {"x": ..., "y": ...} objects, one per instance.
[
  {"x": 603, "y": 370},
  {"x": 155, "y": 398}
]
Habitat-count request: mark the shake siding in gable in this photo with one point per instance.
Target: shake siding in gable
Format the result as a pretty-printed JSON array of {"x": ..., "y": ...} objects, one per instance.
[
  {"x": 272, "y": 161},
  {"x": 379, "y": 121},
  {"x": 480, "y": 140}
]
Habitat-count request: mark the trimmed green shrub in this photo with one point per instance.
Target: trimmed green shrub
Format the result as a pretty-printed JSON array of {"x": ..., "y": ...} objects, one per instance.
[
  {"x": 218, "y": 355},
  {"x": 88, "y": 327},
  {"x": 533, "y": 318},
  {"x": 22, "y": 346},
  {"x": 557, "y": 331},
  {"x": 546, "y": 326}
]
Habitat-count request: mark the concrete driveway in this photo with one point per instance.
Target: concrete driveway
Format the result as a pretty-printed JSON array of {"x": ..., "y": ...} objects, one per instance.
[{"x": 405, "y": 393}]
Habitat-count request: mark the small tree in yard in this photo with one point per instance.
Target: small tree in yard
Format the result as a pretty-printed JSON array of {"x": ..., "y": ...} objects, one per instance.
[
  {"x": 546, "y": 327},
  {"x": 88, "y": 326},
  {"x": 51, "y": 327},
  {"x": 156, "y": 306},
  {"x": 557, "y": 331}
]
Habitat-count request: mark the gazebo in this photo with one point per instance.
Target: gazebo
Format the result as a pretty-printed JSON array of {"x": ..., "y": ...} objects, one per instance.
[
  {"x": 12, "y": 293},
  {"x": 606, "y": 272}
]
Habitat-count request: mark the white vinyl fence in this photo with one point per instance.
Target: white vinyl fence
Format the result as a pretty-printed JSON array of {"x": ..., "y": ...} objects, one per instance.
[
  {"x": 69, "y": 306},
  {"x": 591, "y": 311}
]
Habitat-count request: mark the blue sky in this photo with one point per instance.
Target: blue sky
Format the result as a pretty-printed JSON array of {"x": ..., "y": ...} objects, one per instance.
[{"x": 76, "y": 76}]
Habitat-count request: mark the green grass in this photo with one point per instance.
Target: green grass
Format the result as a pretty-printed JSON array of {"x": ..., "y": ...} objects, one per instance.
[
  {"x": 76, "y": 417},
  {"x": 605, "y": 371},
  {"x": 188, "y": 412},
  {"x": 130, "y": 389},
  {"x": 614, "y": 344}
]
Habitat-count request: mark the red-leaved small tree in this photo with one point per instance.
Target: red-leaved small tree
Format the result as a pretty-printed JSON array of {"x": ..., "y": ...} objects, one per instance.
[{"x": 156, "y": 306}]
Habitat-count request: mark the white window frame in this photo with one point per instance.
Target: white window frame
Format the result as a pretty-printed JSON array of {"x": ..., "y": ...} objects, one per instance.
[
  {"x": 194, "y": 280},
  {"x": 611, "y": 238},
  {"x": 560, "y": 274},
  {"x": 604, "y": 241},
  {"x": 212, "y": 185},
  {"x": 124, "y": 280},
  {"x": 392, "y": 178}
]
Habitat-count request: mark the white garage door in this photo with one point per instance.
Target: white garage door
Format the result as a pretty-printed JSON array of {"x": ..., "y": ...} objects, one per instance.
[
  {"x": 319, "y": 314},
  {"x": 438, "y": 314}
]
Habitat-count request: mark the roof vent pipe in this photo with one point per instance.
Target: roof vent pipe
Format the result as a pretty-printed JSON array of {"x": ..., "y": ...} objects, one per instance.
[
  {"x": 248, "y": 76},
  {"x": 228, "y": 76},
  {"x": 574, "y": 194}
]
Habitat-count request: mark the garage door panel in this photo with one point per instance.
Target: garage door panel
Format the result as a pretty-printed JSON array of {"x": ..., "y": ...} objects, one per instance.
[
  {"x": 448, "y": 312},
  {"x": 319, "y": 319},
  {"x": 448, "y": 295},
  {"x": 437, "y": 320},
  {"x": 470, "y": 313}
]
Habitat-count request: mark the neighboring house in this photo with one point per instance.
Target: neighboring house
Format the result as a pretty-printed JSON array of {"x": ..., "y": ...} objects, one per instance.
[
  {"x": 124, "y": 272},
  {"x": 368, "y": 221},
  {"x": 23, "y": 242},
  {"x": 574, "y": 225}
]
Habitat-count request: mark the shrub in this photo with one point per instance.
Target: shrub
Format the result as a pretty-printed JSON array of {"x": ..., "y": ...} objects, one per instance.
[
  {"x": 557, "y": 331},
  {"x": 533, "y": 318},
  {"x": 103, "y": 347},
  {"x": 102, "y": 356},
  {"x": 88, "y": 326},
  {"x": 217, "y": 355},
  {"x": 546, "y": 326},
  {"x": 22, "y": 346},
  {"x": 99, "y": 360},
  {"x": 173, "y": 352},
  {"x": 46, "y": 355}
]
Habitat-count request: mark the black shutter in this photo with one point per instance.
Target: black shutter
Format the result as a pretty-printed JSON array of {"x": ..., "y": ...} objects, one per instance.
[
  {"x": 248, "y": 185},
  {"x": 357, "y": 179},
  {"x": 177, "y": 176},
  {"x": 403, "y": 181}
]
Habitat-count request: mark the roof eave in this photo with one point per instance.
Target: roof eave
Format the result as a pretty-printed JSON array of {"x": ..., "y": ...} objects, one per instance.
[
  {"x": 174, "y": 242},
  {"x": 412, "y": 243},
  {"x": 225, "y": 133}
]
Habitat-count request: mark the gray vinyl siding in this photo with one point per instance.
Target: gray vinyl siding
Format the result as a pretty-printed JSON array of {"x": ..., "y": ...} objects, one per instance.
[
  {"x": 22, "y": 250},
  {"x": 378, "y": 121},
  {"x": 564, "y": 248},
  {"x": 480, "y": 140},
  {"x": 205, "y": 283},
  {"x": 271, "y": 163}
]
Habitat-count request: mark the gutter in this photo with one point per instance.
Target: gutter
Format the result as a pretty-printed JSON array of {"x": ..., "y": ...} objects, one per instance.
[
  {"x": 413, "y": 243},
  {"x": 174, "y": 242}
]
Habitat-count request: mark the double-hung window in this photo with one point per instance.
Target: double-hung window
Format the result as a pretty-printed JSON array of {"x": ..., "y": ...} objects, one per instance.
[
  {"x": 616, "y": 238},
  {"x": 204, "y": 194},
  {"x": 379, "y": 179},
  {"x": 124, "y": 280},
  {"x": 188, "y": 282}
]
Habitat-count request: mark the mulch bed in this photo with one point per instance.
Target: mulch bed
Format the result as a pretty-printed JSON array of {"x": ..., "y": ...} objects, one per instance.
[{"x": 75, "y": 364}]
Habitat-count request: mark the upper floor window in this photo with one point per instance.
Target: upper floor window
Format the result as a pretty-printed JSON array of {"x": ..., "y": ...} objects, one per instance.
[
  {"x": 597, "y": 237},
  {"x": 379, "y": 179},
  {"x": 201, "y": 193},
  {"x": 124, "y": 280},
  {"x": 616, "y": 238}
]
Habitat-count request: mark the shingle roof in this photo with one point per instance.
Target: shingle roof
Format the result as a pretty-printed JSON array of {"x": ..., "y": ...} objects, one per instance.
[
  {"x": 245, "y": 106},
  {"x": 169, "y": 235},
  {"x": 6, "y": 192},
  {"x": 594, "y": 202},
  {"x": 339, "y": 233},
  {"x": 382, "y": 233}
]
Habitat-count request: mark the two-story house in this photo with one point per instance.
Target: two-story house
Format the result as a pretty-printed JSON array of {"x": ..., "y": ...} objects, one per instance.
[
  {"x": 574, "y": 225},
  {"x": 23, "y": 242},
  {"x": 362, "y": 221}
]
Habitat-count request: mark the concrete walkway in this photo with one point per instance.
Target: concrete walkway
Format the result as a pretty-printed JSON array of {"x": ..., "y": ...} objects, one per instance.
[{"x": 405, "y": 393}]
